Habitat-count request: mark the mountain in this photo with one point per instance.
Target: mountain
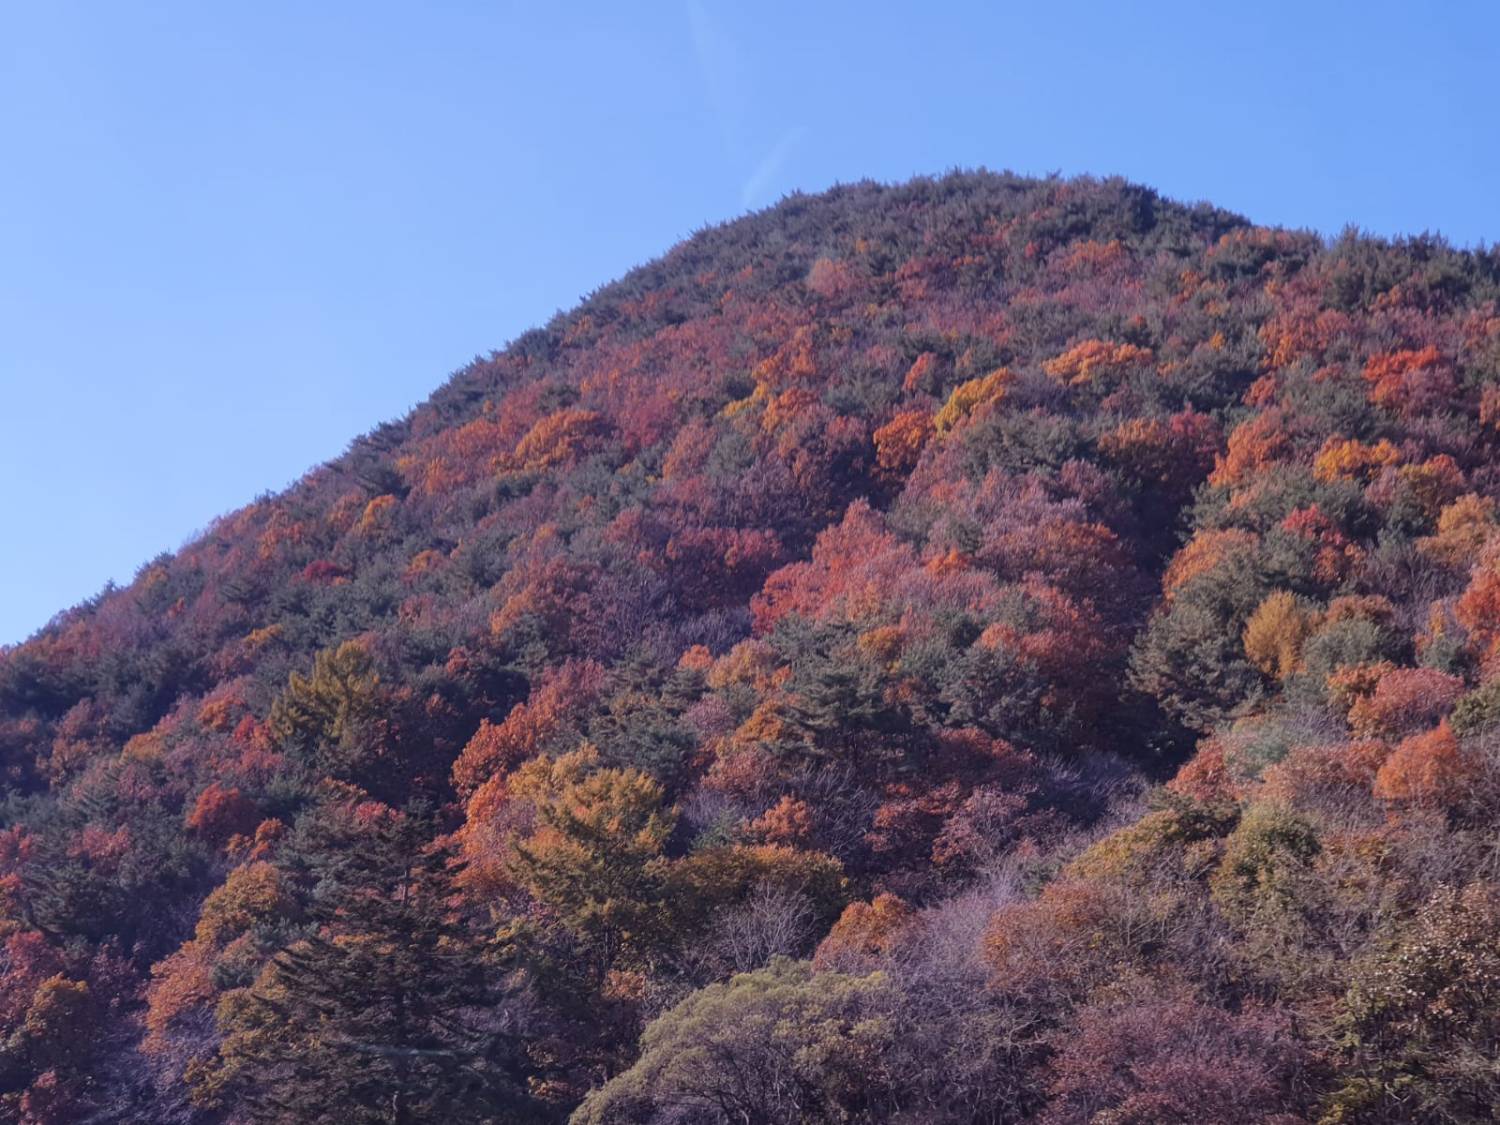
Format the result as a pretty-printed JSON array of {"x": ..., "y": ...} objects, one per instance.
[{"x": 979, "y": 650}]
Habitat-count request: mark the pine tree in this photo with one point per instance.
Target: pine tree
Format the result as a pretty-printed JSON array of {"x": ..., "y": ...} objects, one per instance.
[
  {"x": 596, "y": 859},
  {"x": 839, "y": 701},
  {"x": 388, "y": 1013},
  {"x": 330, "y": 719}
]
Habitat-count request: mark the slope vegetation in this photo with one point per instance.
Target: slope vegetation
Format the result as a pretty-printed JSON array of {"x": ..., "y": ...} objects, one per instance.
[{"x": 979, "y": 650}]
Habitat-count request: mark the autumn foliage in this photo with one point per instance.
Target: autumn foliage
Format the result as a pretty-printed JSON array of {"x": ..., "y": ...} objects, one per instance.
[{"x": 979, "y": 650}]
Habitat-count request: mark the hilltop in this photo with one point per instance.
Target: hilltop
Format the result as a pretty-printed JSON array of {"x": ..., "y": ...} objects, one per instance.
[{"x": 976, "y": 650}]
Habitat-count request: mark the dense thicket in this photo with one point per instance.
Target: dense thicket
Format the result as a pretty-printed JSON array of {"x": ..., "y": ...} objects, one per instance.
[{"x": 981, "y": 650}]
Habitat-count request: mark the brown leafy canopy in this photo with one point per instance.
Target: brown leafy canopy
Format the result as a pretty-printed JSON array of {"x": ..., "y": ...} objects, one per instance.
[{"x": 814, "y": 605}]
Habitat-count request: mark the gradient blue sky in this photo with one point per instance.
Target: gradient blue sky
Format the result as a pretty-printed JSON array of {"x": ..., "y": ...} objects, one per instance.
[{"x": 235, "y": 235}]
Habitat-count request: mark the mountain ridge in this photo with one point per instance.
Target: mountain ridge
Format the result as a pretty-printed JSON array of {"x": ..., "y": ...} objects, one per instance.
[{"x": 840, "y": 585}]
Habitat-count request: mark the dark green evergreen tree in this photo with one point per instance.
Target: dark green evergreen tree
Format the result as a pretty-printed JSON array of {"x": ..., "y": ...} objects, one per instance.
[{"x": 390, "y": 1012}]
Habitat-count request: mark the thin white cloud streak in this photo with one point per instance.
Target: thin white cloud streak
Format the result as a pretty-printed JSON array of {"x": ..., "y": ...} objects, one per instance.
[
  {"x": 756, "y": 187},
  {"x": 717, "y": 66},
  {"x": 724, "y": 93}
]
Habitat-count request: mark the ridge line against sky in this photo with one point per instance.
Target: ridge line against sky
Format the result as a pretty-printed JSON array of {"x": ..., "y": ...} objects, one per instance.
[{"x": 234, "y": 240}]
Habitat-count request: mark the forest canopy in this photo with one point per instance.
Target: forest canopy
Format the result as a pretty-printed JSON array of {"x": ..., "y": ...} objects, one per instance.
[{"x": 978, "y": 650}]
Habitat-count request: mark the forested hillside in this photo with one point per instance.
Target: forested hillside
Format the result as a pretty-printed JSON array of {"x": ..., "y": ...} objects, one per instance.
[{"x": 981, "y": 650}]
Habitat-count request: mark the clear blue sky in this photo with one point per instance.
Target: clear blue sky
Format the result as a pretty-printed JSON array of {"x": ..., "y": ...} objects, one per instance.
[{"x": 234, "y": 235}]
